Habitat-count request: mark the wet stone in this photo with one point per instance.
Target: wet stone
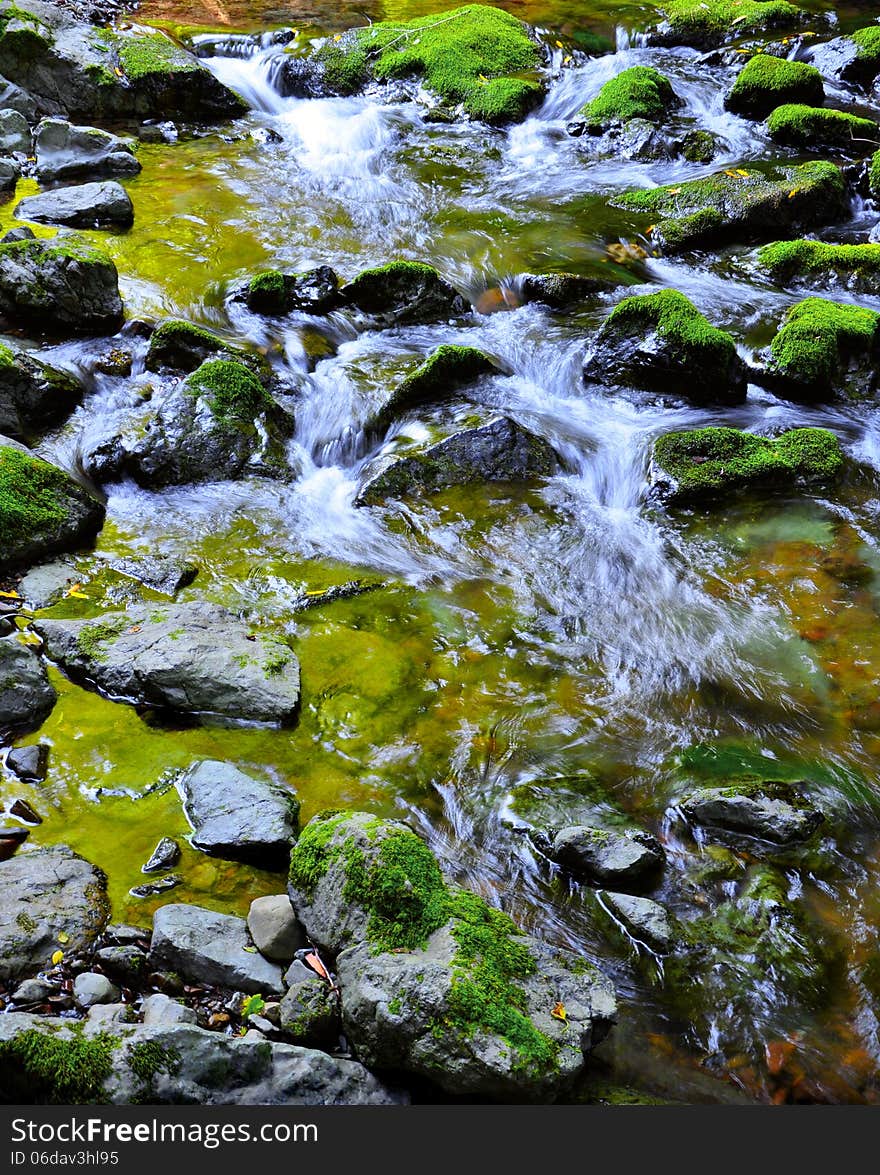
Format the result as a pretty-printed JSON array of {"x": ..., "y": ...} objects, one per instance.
[
  {"x": 29, "y": 763},
  {"x": 153, "y": 888},
  {"x": 165, "y": 855}
]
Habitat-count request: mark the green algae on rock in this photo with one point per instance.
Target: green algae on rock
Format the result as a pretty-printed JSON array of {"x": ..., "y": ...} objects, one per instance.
[
  {"x": 61, "y": 284},
  {"x": 475, "y": 55},
  {"x": 705, "y": 24},
  {"x": 712, "y": 463},
  {"x": 662, "y": 343},
  {"x": 314, "y": 291},
  {"x": 766, "y": 82},
  {"x": 824, "y": 349},
  {"x": 44, "y": 1068},
  {"x": 638, "y": 92},
  {"x": 813, "y": 127},
  {"x": 232, "y": 392},
  {"x": 446, "y": 370},
  {"x": 742, "y": 205},
  {"x": 856, "y": 267}
]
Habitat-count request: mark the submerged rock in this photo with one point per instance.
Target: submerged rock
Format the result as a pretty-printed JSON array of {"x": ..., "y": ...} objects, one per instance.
[
  {"x": 662, "y": 343},
  {"x": 164, "y": 856},
  {"x": 27, "y": 697},
  {"x": 66, "y": 152},
  {"x": 501, "y": 450},
  {"x": 446, "y": 370},
  {"x": 194, "y": 658},
  {"x": 740, "y": 207},
  {"x": 50, "y": 1061},
  {"x": 404, "y": 292},
  {"x": 560, "y": 291},
  {"x": 28, "y": 763},
  {"x": 206, "y": 947},
  {"x": 46, "y": 893},
  {"x": 82, "y": 206},
  {"x": 315, "y": 291},
  {"x": 236, "y": 816},
  {"x": 769, "y": 810},
  {"x": 432, "y": 980},
  {"x": 766, "y": 82},
  {"x": 42, "y": 509},
  {"x": 643, "y": 919},
  {"x": 59, "y": 285},
  {"x": 33, "y": 395},
  {"x": 627, "y": 858},
  {"x": 165, "y": 574},
  {"x": 707, "y": 464}
]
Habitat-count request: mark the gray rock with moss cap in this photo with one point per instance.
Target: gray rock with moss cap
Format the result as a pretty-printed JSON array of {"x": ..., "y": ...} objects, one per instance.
[
  {"x": 768, "y": 810},
  {"x": 61, "y": 284},
  {"x": 705, "y": 24},
  {"x": 46, "y": 893},
  {"x": 629, "y": 857},
  {"x": 177, "y": 345},
  {"x": 193, "y": 658},
  {"x": 66, "y": 152},
  {"x": 432, "y": 980},
  {"x": 766, "y": 82},
  {"x": 404, "y": 292},
  {"x": 33, "y": 395},
  {"x": 446, "y": 371}
]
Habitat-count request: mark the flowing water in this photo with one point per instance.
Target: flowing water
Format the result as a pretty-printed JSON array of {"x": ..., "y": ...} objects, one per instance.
[{"x": 570, "y": 631}]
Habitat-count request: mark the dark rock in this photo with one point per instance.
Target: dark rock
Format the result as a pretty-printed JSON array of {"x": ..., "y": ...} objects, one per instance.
[
  {"x": 206, "y": 947},
  {"x": 126, "y": 965},
  {"x": 66, "y": 152},
  {"x": 274, "y": 928},
  {"x": 12, "y": 837},
  {"x": 195, "y": 658},
  {"x": 768, "y": 810},
  {"x": 161, "y": 573},
  {"x": 22, "y": 810},
  {"x": 446, "y": 371},
  {"x": 644, "y": 920},
  {"x": 82, "y": 206},
  {"x": 28, "y": 763},
  {"x": 10, "y": 174},
  {"x": 560, "y": 291},
  {"x": 116, "y": 361},
  {"x": 27, "y": 698},
  {"x": 119, "y": 934},
  {"x": 33, "y": 396},
  {"x": 59, "y": 285},
  {"x": 18, "y": 234},
  {"x": 165, "y": 855},
  {"x": 177, "y": 345},
  {"x": 153, "y": 888},
  {"x": 501, "y": 450},
  {"x": 619, "y": 858},
  {"x": 404, "y": 292},
  {"x": 13, "y": 97},
  {"x": 315, "y": 291},
  {"x": 48, "y": 892}
]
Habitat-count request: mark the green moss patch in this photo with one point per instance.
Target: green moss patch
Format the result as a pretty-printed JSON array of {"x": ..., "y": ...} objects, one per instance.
[
  {"x": 710, "y": 462},
  {"x": 766, "y": 82},
  {"x": 446, "y": 369},
  {"x": 152, "y": 55},
  {"x": 712, "y": 22},
  {"x": 811, "y": 127},
  {"x": 867, "y": 41},
  {"x": 874, "y": 175},
  {"x": 819, "y": 337},
  {"x": 233, "y": 393},
  {"x": 46, "y": 1068},
  {"x": 478, "y": 56},
  {"x": 855, "y": 266},
  {"x": 677, "y": 321},
  {"x": 31, "y": 497},
  {"x": 639, "y": 92},
  {"x": 267, "y": 293}
]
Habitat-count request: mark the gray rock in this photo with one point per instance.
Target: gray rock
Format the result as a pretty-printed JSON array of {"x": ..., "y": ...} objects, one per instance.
[
  {"x": 10, "y": 174},
  {"x": 309, "y": 1014},
  {"x": 48, "y": 892},
  {"x": 83, "y": 206},
  {"x": 73, "y": 517},
  {"x": 126, "y": 965},
  {"x": 15, "y": 134},
  {"x": 404, "y": 292},
  {"x": 194, "y": 658},
  {"x": 28, "y": 763},
  {"x": 274, "y": 928},
  {"x": 13, "y": 97},
  {"x": 66, "y": 152},
  {"x": 165, "y": 855},
  {"x": 192, "y": 1066},
  {"x": 26, "y": 695},
  {"x": 46, "y": 584},
  {"x": 771, "y": 811},
  {"x": 646, "y": 921},
  {"x": 498, "y": 451},
  {"x": 622, "y": 858},
  {"x": 236, "y": 816},
  {"x": 34, "y": 991},
  {"x": 18, "y": 234},
  {"x": 33, "y": 395},
  {"x": 91, "y": 988},
  {"x": 160, "y": 1009},
  {"x": 60, "y": 285},
  {"x": 160, "y": 573},
  {"x": 211, "y": 948},
  {"x": 110, "y": 1014},
  {"x": 296, "y": 973}
]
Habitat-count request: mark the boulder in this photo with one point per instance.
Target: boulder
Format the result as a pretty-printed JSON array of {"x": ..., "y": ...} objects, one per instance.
[
  {"x": 629, "y": 858},
  {"x": 193, "y": 658},
  {"x": 126, "y": 965},
  {"x": 13, "y": 97},
  {"x": 766, "y": 82},
  {"x": 432, "y": 980},
  {"x": 445, "y": 372},
  {"x": 60, "y": 285},
  {"x": 639, "y": 92},
  {"x": 817, "y": 263},
  {"x": 314, "y": 291},
  {"x": 206, "y": 947},
  {"x": 166, "y": 574},
  {"x": 813, "y": 129},
  {"x": 661, "y": 343},
  {"x": 855, "y": 58},
  {"x": 44, "y": 1060},
  {"x": 46, "y": 893},
  {"x": 28, "y": 763},
  {"x": 768, "y": 810},
  {"x": 404, "y": 292},
  {"x": 236, "y": 816},
  {"x": 759, "y": 205},
  {"x": 33, "y": 395},
  {"x": 15, "y": 134},
  {"x": 83, "y": 206},
  {"x": 159, "y": 1009},
  {"x": 501, "y": 450},
  {"x": 10, "y": 174},
  {"x": 220, "y": 422},
  {"x": 274, "y": 928},
  {"x": 42, "y": 509},
  {"x": 706, "y": 24},
  {"x": 560, "y": 291},
  {"x": 18, "y": 234},
  {"x": 66, "y": 152},
  {"x": 27, "y": 697},
  {"x": 178, "y": 345},
  {"x": 309, "y": 1014},
  {"x": 90, "y": 988},
  {"x": 644, "y": 920}
]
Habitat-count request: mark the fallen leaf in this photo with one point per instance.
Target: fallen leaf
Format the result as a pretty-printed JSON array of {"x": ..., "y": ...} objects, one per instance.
[
  {"x": 252, "y": 1006},
  {"x": 10, "y": 596},
  {"x": 250, "y": 950},
  {"x": 559, "y": 1013},
  {"x": 792, "y": 193},
  {"x": 312, "y": 960},
  {"x": 76, "y": 595},
  {"x": 63, "y": 937},
  {"x": 558, "y": 44},
  {"x": 134, "y": 628},
  {"x": 732, "y": 174},
  {"x": 566, "y": 60},
  {"x": 744, "y": 174},
  {"x": 674, "y": 191},
  {"x": 118, "y": 72},
  {"x": 57, "y": 957}
]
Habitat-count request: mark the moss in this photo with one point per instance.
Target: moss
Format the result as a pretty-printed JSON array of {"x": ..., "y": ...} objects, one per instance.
[
  {"x": 638, "y": 92},
  {"x": 100, "y": 74},
  {"x": 475, "y": 55},
  {"x": 93, "y": 638},
  {"x": 232, "y": 392},
  {"x": 315, "y": 851},
  {"x": 706, "y": 462},
  {"x": 31, "y": 497},
  {"x": 267, "y": 292},
  {"x": 857, "y": 266},
  {"x": 67, "y": 248},
  {"x": 812, "y": 127},
  {"x": 25, "y": 922},
  {"x": 705, "y": 22},
  {"x": 368, "y": 279},
  {"x": 818, "y": 337},
  {"x": 678, "y": 322},
  {"x": 395, "y": 1006},
  {"x": 446, "y": 369},
  {"x": 874, "y": 175},
  {"x": 766, "y": 82},
  {"x": 144, "y": 57},
  {"x": 867, "y": 41},
  {"x": 42, "y": 1068},
  {"x": 699, "y": 147},
  {"x": 148, "y": 1058}
]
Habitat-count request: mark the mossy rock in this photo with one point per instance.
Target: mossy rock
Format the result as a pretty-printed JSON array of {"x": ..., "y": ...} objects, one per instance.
[
  {"x": 315, "y": 291},
  {"x": 481, "y": 57},
  {"x": 638, "y": 92},
  {"x": 742, "y": 205},
  {"x": 874, "y": 175},
  {"x": 706, "y": 24},
  {"x": 766, "y": 82},
  {"x": 699, "y": 146},
  {"x": 177, "y": 345},
  {"x": 33, "y": 395},
  {"x": 708, "y": 464},
  {"x": 445, "y": 372},
  {"x": 59, "y": 285},
  {"x": 855, "y": 267},
  {"x": 813, "y": 128},
  {"x": 43, "y": 511},
  {"x": 823, "y": 350},
  {"x": 561, "y": 291},
  {"x": 661, "y": 343},
  {"x": 404, "y": 292}
]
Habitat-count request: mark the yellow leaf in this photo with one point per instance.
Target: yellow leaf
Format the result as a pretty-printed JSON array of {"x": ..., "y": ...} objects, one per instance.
[
  {"x": 338, "y": 37},
  {"x": 118, "y": 71},
  {"x": 650, "y": 228},
  {"x": 744, "y": 174},
  {"x": 63, "y": 937},
  {"x": 559, "y": 1013},
  {"x": 566, "y": 60},
  {"x": 558, "y": 44},
  {"x": 57, "y": 957},
  {"x": 316, "y": 592},
  {"x": 674, "y": 191},
  {"x": 732, "y": 174},
  {"x": 482, "y": 78},
  {"x": 76, "y": 595},
  {"x": 10, "y": 595},
  {"x": 792, "y": 193}
]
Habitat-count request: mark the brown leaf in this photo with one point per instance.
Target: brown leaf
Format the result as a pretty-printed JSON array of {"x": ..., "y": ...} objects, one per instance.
[{"x": 559, "y": 1013}]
